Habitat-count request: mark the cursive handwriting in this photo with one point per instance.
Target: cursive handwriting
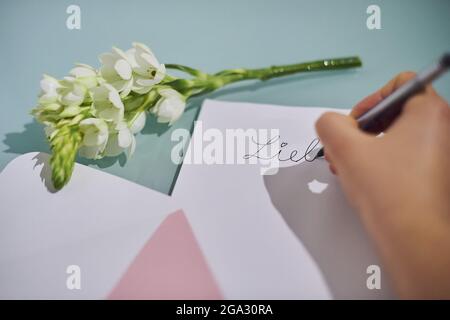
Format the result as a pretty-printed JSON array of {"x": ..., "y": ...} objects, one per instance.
[{"x": 284, "y": 154}]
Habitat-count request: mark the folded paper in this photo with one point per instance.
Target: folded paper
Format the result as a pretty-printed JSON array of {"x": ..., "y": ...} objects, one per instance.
[{"x": 96, "y": 226}]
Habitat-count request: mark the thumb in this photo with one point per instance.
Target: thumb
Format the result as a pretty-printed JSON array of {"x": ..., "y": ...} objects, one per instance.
[{"x": 340, "y": 136}]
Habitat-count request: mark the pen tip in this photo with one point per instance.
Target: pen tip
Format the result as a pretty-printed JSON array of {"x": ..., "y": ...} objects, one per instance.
[
  {"x": 319, "y": 154},
  {"x": 446, "y": 59}
]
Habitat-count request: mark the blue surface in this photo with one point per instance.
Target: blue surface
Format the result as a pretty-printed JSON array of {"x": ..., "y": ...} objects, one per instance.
[{"x": 211, "y": 35}]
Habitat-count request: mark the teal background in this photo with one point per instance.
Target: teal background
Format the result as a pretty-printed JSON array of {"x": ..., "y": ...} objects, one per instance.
[{"x": 211, "y": 35}]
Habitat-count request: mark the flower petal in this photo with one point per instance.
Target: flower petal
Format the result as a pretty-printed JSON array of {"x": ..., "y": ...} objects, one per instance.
[
  {"x": 49, "y": 84},
  {"x": 138, "y": 123},
  {"x": 119, "y": 53},
  {"x": 131, "y": 148},
  {"x": 107, "y": 59},
  {"x": 126, "y": 88},
  {"x": 123, "y": 69},
  {"x": 81, "y": 71},
  {"x": 111, "y": 114},
  {"x": 71, "y": 98},
  {"x": 146, "y": 82},
  {"x": 114, "y": 98},
  {"x": 70, "y": 111},
  {"x": 124, "y": 138},
  {"x": 108, "y": 72},
  {"x": 141, "y": 46},
  {"x": 90, "y": 152},
  {"x": 140, "y": 89},
  {"x": 112, "y": 148}
]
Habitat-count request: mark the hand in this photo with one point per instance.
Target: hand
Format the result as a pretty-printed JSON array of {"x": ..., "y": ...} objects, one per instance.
[{"x": 400, "y": 184}]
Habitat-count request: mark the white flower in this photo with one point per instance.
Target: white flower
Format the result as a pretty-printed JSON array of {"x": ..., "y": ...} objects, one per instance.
[
  {"x": 48, "y": 102},
  {"x": 170, "y": 106},
  {"x": 85, "y": 75},
  {"x": 95, "y": 137},
  {"x": 72, "y": 92},
  {"x": 62, "y": 99},
  {"x": 116, "y": 70},
  {"x": 120, "y": 139},
  {"x": 138, "y": 123},
  {"x": 107, "y": 103},
  {"x": 147, "y": 71},
  {"x": 73, "y": 89},
  {"x": 49, "y": 93},
  {"x": 137, "y": 69}
]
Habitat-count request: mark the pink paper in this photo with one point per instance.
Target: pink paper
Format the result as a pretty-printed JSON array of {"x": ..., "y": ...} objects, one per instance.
[{"x": 170, "y": 266}]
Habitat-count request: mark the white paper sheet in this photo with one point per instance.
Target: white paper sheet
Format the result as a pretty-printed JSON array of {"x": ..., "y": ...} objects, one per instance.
[
  {"x": 271, "y": 237},
  {"x": 98, "y": 222}
]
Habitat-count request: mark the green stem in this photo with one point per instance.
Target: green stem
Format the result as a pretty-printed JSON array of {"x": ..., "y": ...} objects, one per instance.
[
  {"x": 186, "y": 69},
  {"x": 318, "y": 65},
  {"x": 225, "y": 77}
]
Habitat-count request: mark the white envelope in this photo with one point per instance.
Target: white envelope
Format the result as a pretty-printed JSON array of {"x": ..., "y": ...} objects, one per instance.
[{"x": 98, "y": 222}]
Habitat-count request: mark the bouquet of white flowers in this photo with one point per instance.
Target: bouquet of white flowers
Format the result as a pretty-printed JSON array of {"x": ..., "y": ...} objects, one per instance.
[{"x": 97, "y": 113}]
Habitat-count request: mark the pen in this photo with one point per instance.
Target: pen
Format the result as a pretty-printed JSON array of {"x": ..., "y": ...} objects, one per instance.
[{"x": 381, "y": 115}]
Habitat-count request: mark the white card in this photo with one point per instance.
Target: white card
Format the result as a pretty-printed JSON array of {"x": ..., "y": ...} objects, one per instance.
[{"x": 284, "y": 236}]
